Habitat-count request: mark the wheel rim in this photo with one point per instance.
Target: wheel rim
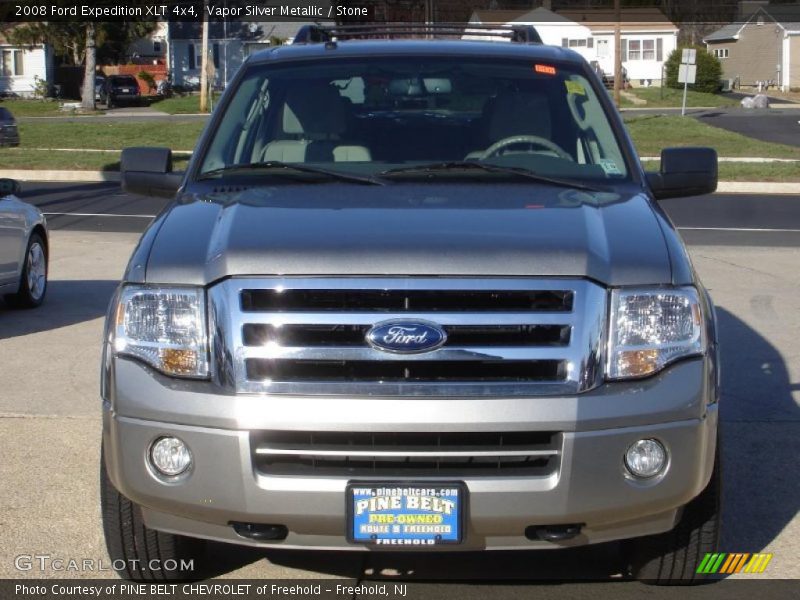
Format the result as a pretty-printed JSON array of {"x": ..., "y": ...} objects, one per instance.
[{"x": 37, "y": 271}]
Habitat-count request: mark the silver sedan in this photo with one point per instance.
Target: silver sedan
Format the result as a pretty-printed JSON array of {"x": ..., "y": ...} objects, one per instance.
[{"x": 23, "y": 249}]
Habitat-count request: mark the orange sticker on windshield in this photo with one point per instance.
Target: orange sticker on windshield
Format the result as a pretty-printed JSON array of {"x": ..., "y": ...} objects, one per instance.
[{"x": 545, "y": 69}]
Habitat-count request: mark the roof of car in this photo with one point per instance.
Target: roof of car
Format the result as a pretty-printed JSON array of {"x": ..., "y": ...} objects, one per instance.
[{"x": 406, "y": 47}]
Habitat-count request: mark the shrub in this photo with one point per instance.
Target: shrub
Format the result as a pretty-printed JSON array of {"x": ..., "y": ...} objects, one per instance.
[
  {"x": 41, "y": 88},
  {"x": 148, "y": 79},
  {"x": 709, "y": 71}
]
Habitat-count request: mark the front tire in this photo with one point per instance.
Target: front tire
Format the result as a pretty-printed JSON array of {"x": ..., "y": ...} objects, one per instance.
[
  {"x": 139, "y": 553},
  {"x": 33, "y": 283},
  {"x": 672, "y": 558}
]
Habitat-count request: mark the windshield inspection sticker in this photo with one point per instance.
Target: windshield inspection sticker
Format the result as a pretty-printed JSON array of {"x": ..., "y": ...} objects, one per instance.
[
  {"x": 609, "y": 165},
  {"x": 573, "y": 87}
]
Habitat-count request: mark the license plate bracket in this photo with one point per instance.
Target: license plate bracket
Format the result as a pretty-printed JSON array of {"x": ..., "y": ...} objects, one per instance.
[{"x": 405, "y": 515}]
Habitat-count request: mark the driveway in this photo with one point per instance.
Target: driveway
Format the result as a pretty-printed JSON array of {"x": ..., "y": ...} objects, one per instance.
[{"x": 779, "y": 126}]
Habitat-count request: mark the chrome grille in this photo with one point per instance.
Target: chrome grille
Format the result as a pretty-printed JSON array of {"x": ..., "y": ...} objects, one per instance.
[
  {"x": 505, "y": 337},
  {"x": 348, "y": 454}
]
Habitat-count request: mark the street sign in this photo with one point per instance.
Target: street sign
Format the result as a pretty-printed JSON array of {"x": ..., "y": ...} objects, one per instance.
[
  {"x": 689, "y": 56},
  {"x": 687, "y": 73}
]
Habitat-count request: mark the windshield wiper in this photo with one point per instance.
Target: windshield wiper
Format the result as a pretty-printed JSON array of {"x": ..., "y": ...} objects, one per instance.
[
  {"x": 467, "y": 165},
  {"x": 274, "y": 165}
]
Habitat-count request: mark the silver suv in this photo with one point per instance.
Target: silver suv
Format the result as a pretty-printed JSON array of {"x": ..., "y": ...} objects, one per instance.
[{"x": 412, "y": 295}]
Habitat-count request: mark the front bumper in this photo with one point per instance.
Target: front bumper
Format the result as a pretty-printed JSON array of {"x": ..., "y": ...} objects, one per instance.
[{"x": 590, "y": 486}]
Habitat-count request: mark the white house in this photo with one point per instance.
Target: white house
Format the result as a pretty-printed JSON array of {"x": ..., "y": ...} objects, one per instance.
[
  {"x": 152, "y": 49},
  {"x": 21, "y": 65},
  {"x": 554, "y": 29},
  {"x": 648, "y": 37}
]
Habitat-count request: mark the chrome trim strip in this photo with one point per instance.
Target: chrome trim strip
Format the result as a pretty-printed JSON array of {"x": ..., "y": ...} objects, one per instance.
[
  {"x": 441, "y": 318},
  {"x": 448, "y": 353},
  {"x": 404, "y": 453}
]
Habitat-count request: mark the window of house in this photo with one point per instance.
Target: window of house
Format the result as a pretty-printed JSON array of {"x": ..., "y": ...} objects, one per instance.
[
  {"x": 157, "y": 47},
  {"x": 577, "y": 42},
  {"x": 196, "y": 55},
  {"x": 648, "y": 49},
  {"x": 721, "y": 52},
  {"x": 643, "y": 49},
  {"x": 12, "y": 65}
]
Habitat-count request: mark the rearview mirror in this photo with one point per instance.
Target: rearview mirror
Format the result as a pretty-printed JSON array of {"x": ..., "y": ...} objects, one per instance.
[
  {"x": 9, "y": 187},
  {"x": 684, "y": 172},
  {"x": 148, "y": 171}
]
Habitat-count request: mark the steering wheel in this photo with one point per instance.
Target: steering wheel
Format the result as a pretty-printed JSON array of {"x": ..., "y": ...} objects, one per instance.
[{"x": 533, "y": 140}]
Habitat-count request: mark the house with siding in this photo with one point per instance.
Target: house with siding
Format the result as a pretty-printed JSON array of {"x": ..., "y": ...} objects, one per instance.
[
  {"x": 229, "y": 45},
  {"x": 762, "y": 48},
  {"x": 20, "y": 66},
  {"x": 648, "y": 36}
]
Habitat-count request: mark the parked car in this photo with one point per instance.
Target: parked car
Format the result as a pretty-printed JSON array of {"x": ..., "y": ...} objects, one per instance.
[
  {"x": 412, "y": 294},
  {"x": 120, "y": 89},
  {"x": 23, "y": 249},
  {"x": 9, "y": 134}
]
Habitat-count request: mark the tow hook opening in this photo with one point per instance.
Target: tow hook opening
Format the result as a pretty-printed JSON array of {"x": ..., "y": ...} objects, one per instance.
[
  {"x": 553, "y": 533},
  {"x": 260, "y": 531}
]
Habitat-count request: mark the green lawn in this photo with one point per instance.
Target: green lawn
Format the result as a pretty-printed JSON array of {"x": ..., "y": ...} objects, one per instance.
[
  {"x": 674, "y": 98},
  {"x": 781, "y": 172},
  {"x": 38, "y": 108},
  {"x": 103, "y": 136},
  {"x": 652, "y": 133},
  {"x": 109, "y": 136},
  {"x": 180, "y": 105}
]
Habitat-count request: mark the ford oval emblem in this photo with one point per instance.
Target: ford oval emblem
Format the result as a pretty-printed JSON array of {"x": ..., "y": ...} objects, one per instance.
[{"x": 406, "y": 337}]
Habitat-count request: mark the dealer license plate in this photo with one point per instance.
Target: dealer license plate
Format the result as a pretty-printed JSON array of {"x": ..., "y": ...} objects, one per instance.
[{"x": 405, "y": 514}]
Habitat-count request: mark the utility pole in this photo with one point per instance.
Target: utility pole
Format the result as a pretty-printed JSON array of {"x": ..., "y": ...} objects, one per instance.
[
  {"x": 617, "y": 53},
  {"x": 204, "y": 63}
]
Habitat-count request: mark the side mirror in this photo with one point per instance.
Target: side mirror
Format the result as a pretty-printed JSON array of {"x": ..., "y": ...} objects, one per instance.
[
  {"x": 684, "y": 172},
  {"x": 148, "y": 172},
  {"x": 9, "y": 187}
]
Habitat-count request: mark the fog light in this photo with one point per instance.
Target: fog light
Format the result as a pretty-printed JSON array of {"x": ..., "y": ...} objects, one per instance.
[
  {"x": 170, "y": 456},
  {"x": 646, "y": 458}
]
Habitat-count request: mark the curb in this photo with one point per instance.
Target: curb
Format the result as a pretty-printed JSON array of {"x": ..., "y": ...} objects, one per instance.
[
  {"x": 758, "y": 187},
  {"x": 65, "y": 176},
  {"x": 725, "y": 187}
]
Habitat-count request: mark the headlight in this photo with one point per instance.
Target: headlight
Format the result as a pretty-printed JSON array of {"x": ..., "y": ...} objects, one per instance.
[
  {"x": 649, "y": 329},
  {"x": 164, "y": 327}
]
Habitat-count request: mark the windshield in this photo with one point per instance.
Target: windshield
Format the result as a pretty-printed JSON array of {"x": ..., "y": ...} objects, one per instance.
[
  {"x": 386, "y": 116},
  {"x": 123, "y": 80}
]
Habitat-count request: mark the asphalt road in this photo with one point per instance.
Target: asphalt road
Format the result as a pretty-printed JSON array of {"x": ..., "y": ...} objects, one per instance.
[{"x": 720, "y": 219}]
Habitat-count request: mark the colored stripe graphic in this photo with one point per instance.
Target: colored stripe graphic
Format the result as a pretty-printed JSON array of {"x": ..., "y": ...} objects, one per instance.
[{"x": 733, "y": 563}]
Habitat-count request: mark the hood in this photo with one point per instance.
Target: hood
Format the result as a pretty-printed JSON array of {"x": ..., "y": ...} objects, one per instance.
[{"x": 433, "y": 230}]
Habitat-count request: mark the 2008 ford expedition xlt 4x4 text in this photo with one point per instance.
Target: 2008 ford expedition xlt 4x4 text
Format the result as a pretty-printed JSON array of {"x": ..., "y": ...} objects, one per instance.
[{"x": 412, "y": 295}]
